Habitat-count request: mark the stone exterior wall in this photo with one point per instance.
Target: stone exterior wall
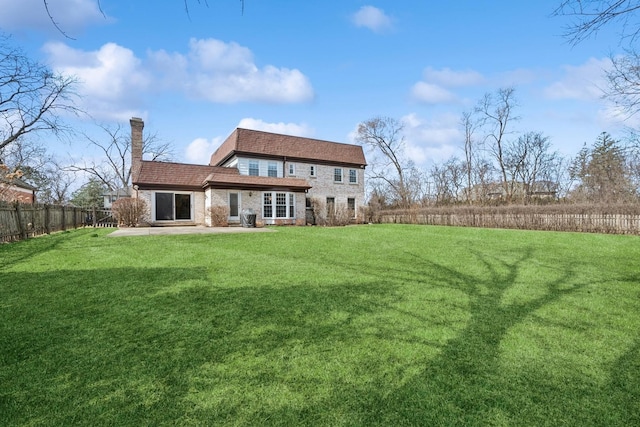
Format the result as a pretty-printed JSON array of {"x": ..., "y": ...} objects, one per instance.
[
  {"x": 198, "y": 207},
  {"x": 252, "y": 200},
  {"x": 146, "y": 196},
  {"x": 323, "y": 184}
]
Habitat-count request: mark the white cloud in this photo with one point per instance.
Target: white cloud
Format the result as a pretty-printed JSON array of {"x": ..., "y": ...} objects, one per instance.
[
  {"x": 70, "y": 15},
  {"x": 281, "y": 128},
  {"x": 451, "y": 78},
  {"x": 519, "y": 77},
  {"x": 431, "y": 141},
  {"x": 435, "y": 85},
  {"x": 584, "y": 82},
  {"x": 115, "y": 82},
  {"x": 112, "y": 79},
  {"x": 431, "y": 93},
  {"x": 372, "y": 18},
  {"x": 226, "y": 73},
  {"x": 200, "y": 149}
]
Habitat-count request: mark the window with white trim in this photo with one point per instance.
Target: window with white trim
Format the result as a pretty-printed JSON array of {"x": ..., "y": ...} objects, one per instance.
[
  {"x": 292, "y": 169},
  {"x": 292, "y": 205},
  {"x": 267, "y": 205},
  {"x": 272, "y": 170},
  {"x": 331, "y": 207},
  {"x": 278, "y": 205},
  {"x": 313, "y": 172},
  {"x": 254, "y": 167},
  {"x": 337, "y": 175},
  {"x": 234, "y": 205},
  {"x": 351, "y": 206},
  {"x": 353, "y": 176}
]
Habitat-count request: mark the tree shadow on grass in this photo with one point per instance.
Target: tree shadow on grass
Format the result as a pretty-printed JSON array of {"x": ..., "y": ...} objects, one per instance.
[
  {"x": 168, "y": 346},
  {"x": 469, "y": 383},
  {"x": 154, "y": 346}
]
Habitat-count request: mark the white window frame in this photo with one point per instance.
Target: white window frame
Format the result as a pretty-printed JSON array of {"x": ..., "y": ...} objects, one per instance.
[
  {"x": 233, "y": 217},
  {"x": 313, "y": 171},
  {"x": 289, "y": 206},
  {"x": 292, "y": 169},
  {"x": 335, "y": 175},
  {"x": 354, "y": 173},
  {"x": 354, "y": 205},
  {"x": 249, "y": 169},
  {"x": 272, "y": 167}
]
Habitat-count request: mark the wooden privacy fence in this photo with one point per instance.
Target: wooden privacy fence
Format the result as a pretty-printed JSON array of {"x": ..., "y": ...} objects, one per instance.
[
  {"x": 624, "y": 221},
  {"x": 22, "y": 221}
]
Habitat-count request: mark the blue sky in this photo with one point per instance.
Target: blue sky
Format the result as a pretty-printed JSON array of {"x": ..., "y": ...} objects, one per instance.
[{"x": 318, "y": 68}]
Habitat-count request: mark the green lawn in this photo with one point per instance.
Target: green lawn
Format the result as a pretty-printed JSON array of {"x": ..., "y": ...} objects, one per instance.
[{"x": 369, "y": 325}]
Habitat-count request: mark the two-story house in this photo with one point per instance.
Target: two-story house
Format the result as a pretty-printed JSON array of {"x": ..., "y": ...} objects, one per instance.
[{"x": 275, "y": 176}]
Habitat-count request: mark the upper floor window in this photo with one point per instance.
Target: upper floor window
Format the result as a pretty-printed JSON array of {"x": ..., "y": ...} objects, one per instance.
[
  {"x": 337, "y": 174},
  {"x": 313, "y": 171},
  {"x": 254, "y": 167},
  {"x": 353, "y": 176},
  {"x": 292, "y": 169},
  {"x": 273, "y": 169}
]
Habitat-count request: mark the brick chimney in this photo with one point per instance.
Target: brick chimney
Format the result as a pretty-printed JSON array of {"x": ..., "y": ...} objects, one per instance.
[{"x": 136, "y": 147}]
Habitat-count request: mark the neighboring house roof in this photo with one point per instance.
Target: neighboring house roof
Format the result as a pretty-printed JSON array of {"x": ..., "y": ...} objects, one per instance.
[
  {"x": 120, "y": 192},
  {"x": 196, "y": 177},
  {"x": 258, "y": 143},
  {"x": 17, "y": 182},
  {"x": 16, "y": 190}
]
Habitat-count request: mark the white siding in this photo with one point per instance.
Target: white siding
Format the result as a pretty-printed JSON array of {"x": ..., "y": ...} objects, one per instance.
[{"x": 243, "y": 166}]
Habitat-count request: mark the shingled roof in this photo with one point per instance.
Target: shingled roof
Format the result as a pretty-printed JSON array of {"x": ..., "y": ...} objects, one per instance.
[
  {"x": 258, "y": 143},
  {"x": 220, "y": 179},
  {"x": 173, "y": 175},
  {"x": 196, "y": 177}
]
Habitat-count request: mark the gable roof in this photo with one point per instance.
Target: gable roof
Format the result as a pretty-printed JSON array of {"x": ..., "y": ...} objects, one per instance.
[{"x": 259, "y": 143}]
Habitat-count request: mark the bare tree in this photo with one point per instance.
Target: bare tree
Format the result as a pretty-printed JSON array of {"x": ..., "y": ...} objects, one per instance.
[
  {"x": 448, "y": 181},
  {"x": 33, "y": 99},
  {"x": 624, "y": 82},
  {"x": 590, "y": 16},
  {"x": 532, "y": 165},
  {"x": 114, "y": 170},
  {"x": 384, "y": 138},
  {"x": 51, "y": 14},
  {"x": 35, "y": 166},
  {"x": 470, "y": 124},
  {"x": 497, "y": 113}
]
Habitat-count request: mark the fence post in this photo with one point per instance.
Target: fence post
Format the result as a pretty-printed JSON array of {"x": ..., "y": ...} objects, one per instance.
[
  {"x": 64, "y": 218},
  {"x": 23, "y": 230},
  {"x": 47, "y": 218},
  {"x": 93, "y": 211}
]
